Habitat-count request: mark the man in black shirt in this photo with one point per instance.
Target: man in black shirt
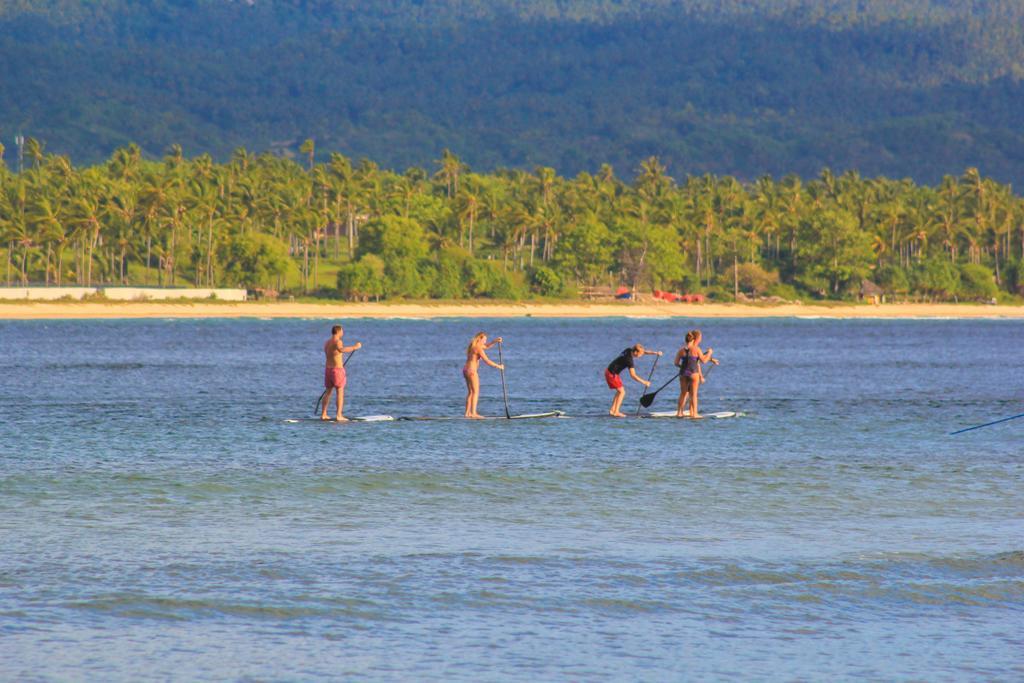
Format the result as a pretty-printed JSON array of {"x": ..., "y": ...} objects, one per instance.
[{"x": 611, "y": 375}]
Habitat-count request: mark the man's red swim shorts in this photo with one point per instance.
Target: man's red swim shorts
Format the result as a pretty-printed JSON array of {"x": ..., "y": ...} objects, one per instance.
[
  {"x": 614, "y": 381},
  {"x": 334, "y": 378}
]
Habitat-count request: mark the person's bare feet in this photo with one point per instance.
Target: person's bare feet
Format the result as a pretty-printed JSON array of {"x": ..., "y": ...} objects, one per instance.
[
  {"x": 616, "y": 414},
  {"x": 323, "y": 416},
  {"x": 341, "y": 418},
  {"x": 475, "y": 417}
]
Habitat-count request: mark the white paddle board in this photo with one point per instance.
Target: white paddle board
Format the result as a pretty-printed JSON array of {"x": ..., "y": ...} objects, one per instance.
[
  {"x": 714, "y": 416},
  {"x": 536, "y": 416},
  {"x": 530, "y": 416},
  {"x": 360, "y": 418}
]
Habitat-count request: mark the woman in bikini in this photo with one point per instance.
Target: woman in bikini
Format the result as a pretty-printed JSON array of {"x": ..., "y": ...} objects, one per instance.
[
  {"x": 475, "y": 352},
  {"x": 688, "y": 360}
]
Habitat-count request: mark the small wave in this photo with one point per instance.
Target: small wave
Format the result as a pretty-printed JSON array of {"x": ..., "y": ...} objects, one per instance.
[
  {"x": 630, "y": 605},
  {"x": 187, "y": 609},
  {"x": 1013, "y": 557},
  {"x": 162, "y": 365},
  {"x": 93, "y": 366},
  {"x": 895, "y": 582},
  {"x": 1008, "y": 563}
]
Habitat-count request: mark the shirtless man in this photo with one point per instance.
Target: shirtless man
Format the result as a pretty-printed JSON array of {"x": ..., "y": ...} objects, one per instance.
[{"x": 334, "y": 373}]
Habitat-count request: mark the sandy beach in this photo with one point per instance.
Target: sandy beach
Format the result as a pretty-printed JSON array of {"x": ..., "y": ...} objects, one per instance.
[{"x": 203, "y": 309}]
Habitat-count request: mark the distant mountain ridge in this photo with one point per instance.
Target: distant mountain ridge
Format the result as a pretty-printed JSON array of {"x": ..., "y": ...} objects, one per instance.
[{"x": 916, "y": 88}]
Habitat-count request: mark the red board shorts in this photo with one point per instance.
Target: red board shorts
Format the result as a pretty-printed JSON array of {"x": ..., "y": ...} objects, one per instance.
[
  {"x": 613, "y": 380},
  {"x": 334, "y": 378}
]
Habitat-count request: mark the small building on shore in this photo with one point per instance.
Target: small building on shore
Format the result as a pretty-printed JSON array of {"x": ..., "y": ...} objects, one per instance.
[{"x": 871, "y": 293}]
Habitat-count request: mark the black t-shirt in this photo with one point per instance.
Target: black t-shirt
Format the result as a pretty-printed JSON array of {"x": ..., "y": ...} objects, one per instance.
[{"x": 621, "y": 362}]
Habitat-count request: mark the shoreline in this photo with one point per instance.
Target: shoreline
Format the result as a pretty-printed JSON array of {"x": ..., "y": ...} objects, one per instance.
[{"x": 93, "y": 310}]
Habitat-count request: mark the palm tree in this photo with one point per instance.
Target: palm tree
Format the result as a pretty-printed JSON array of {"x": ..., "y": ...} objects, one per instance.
[
  {"x": 46, "y": 218},
  {"x": 241, "y": 158},
  {"x": 309, "y": 149},
  {"x": 451, "y": 169},
  {"x": 34, "y": 150},
  {"x": 86, "y": 213},
  {"x": 175, "y": 157},
  {"x": 467, "y": 205},
  {"x": 975, "y": 192},
  {"x": 948, "y": 209},
  {"x": 156, "y": 204},
  {"x": 205, "y": 199},
  {"x": 121, "y": 212},
  {"x": 768, "y": 214}
]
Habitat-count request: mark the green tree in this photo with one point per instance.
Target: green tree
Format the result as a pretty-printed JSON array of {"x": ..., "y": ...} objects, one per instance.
[
  {"x": 835, "y": 256},
  {"x": 977, "y": 282},
  {"x": 362, "y": 280},
  {"x": 487, "y": 279},
  {"x": 648, "y": 254},
  {"x": 449, "y": 281},
  {"x": 893, "y": 279},
  {"x": 586, "y": 250},
  {"x": 393, "y": 237},
  {"x": 755, "y": 279},
  {"x": 936, "y": 278},
  {"x": 254, "y": 260},
  {"x": 546, "y": 282}
]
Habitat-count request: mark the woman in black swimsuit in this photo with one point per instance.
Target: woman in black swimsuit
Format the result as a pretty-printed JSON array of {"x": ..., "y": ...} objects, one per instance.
[{"x": 688, "y": 360}]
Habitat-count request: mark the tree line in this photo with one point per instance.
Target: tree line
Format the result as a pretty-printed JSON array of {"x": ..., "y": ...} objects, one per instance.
[{"x": 352, "y": 229}]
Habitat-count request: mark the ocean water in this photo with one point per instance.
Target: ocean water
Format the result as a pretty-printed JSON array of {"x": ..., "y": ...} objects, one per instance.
[{"x": 163, "y": 517}]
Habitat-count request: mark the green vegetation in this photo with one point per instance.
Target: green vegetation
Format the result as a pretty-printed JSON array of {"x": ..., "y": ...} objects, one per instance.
[
  {"x": 901, "y": 88},
  {"x": 364, "y": 233}
]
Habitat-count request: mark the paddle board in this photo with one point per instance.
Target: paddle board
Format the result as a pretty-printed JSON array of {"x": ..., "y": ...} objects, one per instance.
[
  {"x": 530, "y": 416},
  {"x": 714, "y": 416},
  {"x": 360, "y": 418},
  {"x": 535, "y": 416}
]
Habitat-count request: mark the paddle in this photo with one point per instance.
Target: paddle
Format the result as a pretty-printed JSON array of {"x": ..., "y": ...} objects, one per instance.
[
  {"x": 987, "y": 424},
  {"x": 649, "y": 376},
  {"x": 708, "y": 373},
  {"x": 316, "y": 408},
  {"x": 647, "y": 399},
  {"x": 504, "y": 389}
]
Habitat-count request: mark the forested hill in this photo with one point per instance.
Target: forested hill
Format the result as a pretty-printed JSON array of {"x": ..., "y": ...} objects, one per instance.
[{"x": 916, "y": 88}]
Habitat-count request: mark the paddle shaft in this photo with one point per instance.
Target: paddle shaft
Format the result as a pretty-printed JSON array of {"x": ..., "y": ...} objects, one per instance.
[
  {"x": 987, "y": 424},
  {"x": 709, "y": 370},
  {"x": 639, "y": 403},
  {"x": 654, "y": 393},
  {"x": 316, "y": 408},
  {"x": 504, "y": 388}
]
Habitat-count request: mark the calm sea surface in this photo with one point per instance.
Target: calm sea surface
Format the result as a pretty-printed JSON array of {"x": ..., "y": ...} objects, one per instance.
[{"x": 160, "y": 518}]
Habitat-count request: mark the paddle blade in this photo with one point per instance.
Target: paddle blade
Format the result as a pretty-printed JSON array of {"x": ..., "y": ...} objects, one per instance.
[{"x": 647, "y": 399}]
